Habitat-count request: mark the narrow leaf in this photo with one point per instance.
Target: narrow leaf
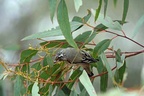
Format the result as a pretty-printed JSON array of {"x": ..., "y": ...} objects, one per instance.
[
  {"x": 105, "y": 6},
  {"x": 85, "y": 37},
  {"x": 118, "y": 55},
  {"x": 84, "y": 79},
  {"x": 98, "y": 10},
  {"x": 83, "y": 92},
  {"x": 63, "y": 20},
  {"x": 73, "y": 93},
  {"x": 48, "y": 61},
  {"x": 37, "y": 66},
  {"x": 125, "y": 10},
  {"x": 35, "y": 89},
  {"x": 52, "y": 7},
  {"x": 107, "y": 21},
  {"x": 100, "y": 27},
  {"x": 44, "y": 90},
  {"x": 101, "y": 47},
  {"x": 55, "y": 44},
  {"x": 25, "y": 57},
  {"x": 19, "y": 88},
  {"x": 53, "y": 34},
  {"x": 139, "y": 24},
  {"x": 119, "y": 73},
  {"x": 77, "y": 4},
  {"x": 73, "y": 77},
  {"x": 59, "y": 92},
  {"x": 104, "y": 78},
  {"x": 122, "y": 71},
  {"x": 84, "y": 19},
  {"x": 105, "y": 61}
]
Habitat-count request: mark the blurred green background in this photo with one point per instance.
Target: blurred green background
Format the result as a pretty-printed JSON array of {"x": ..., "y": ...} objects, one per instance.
[{"x": 20, "y": 18}]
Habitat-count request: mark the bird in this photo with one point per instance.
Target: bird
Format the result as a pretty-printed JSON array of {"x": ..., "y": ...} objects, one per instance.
[{"x": 76, "y": 56}]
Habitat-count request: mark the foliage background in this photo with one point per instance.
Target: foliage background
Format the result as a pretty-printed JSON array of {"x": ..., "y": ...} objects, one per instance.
[{"x": 22, "y": 18}]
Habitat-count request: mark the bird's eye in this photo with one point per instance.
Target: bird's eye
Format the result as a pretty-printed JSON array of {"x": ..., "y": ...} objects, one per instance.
[{"x": 61, "y": 55}]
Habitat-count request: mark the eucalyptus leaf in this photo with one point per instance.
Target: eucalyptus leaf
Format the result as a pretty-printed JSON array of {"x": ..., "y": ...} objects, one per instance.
[
  {"x": 25, "y": 57},
  {"x": 106, "y": 63},
  {"x": 63, "y": 20},
  {"x": 119, "y": 73},
  {"x": 107, "y": 21},
  {"x": 105, "y": 6},
  {"x": 19, "y": 88},
  {"x": 48, "y": 61},
  {"x": 125, "y": 10},
  {"x": 53, "y": 34},
  {"x": 82, "y": 19},
  {"x": 84, "y": 79},
  {"x": 74, "y": 77},
  {"x": 98, "y": 10},
  {"x": 55, "y": 44},
  {"x": 77, "y": 4},
  {"x": 101, "y": 47},
  {"x": 103, "y": 78},
  {"x": 52, "y": 7},
  {"x": 35, "y": 89}
]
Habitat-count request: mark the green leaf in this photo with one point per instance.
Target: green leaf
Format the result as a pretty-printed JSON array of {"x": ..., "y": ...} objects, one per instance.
[
  {"x": 104, "y": 78},
  {"x": 73, "y": 93},
  {"x": 77, "y": 4},
  {"x": 53, "y": 34},
  {"x": 66, "y": 90},
  {"x": 108, "y": 22},
  {"x": 139, "y": 24},
  {"x": 50, "y": 33},
  {"x": 63, "y": 20},
  {"x": 85, "y": 37},
  {"x": 45, "y": 75},
  {"x": 100, "y": 27},
  {"x": 84, "y": 19},
  {"x": 30, "y": 88},
  {"x": 52, "y": 7},
  {"x": 118, "y": 55},
  {"x": 51, "y": 71},
  {"x": 84, "y": 93},
  {"x": 50, "y": 90},
  {"x": 48, "y": 61},
  {"x": 119, "y": 73},
  {"x": 59, "y": 92},
  {"x": 84, "y": 79},
  {"x": 104, "y": 81},
  {"x": 105, "y": 61},
  {"x": 74, "y": 77},
  {"x": 105, "y": 6},
  {"x": 125, "y": 10},
  {"x": 45, "y": 89},
  {"x": 55, "y": 44},
  {"x": 37, "y": 66},
  {"x": 98, "y": 10},
  {"x": 122, "y": 71},
  {"x": 35, "y": 89},
  {"x": 19, "y": 88},
  {"x": 120, "y": 22},
  {"x": 101, "y": 47},
  {"x": 25, "y": 57}
]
